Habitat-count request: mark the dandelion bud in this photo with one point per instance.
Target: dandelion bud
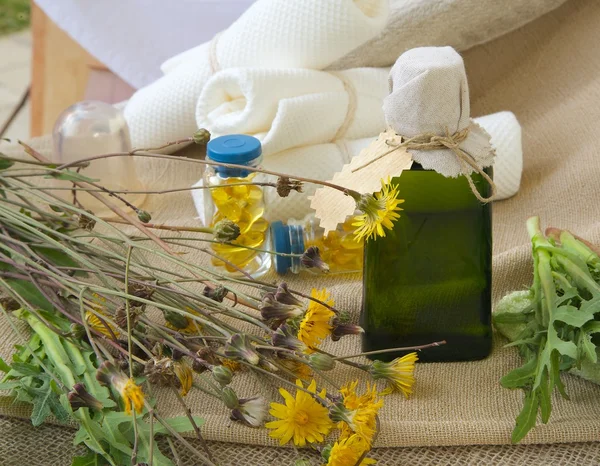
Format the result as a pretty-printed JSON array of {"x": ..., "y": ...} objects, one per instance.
[
  {"x": 141, "y": 290},
  {"x": 217, "y": 294},
  {"x": 226, "y": 230},
  {"x": 312, "y": 259},
  {"x": 204, "y": 360},
  {"x": 144, "y": 216},
  {"x": 222, "y": 374},
  {"x": 229, "y": 398},
  {"x": 177, "y": 320},
  {"x": 135, "y": 311},
  {"x": 341, "y": 328},
  {"x": 251, "y": 411},
  {"x": 270, "y": 308},
  {"x": 201, "y": 136},
  {"x": 321, "y": 362},
  {"x": 283, "y": 296},
  {"x": 239, "y": 347},
  {"x": 161, "y": 372},
  {"x": 285, "y": 186},
  {"x": 80, "y": 398},
  {"x": 285, "y": 337},
  {"x": 86, "y": 222}
]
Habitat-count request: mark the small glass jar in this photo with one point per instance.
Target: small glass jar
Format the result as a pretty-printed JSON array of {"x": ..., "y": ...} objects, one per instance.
[
  {"x": 91, "y": 128},
  {"x": 235, "y": 198},
  {"x": 339, "y": 248},
  {"x": 430, "y": 278}
]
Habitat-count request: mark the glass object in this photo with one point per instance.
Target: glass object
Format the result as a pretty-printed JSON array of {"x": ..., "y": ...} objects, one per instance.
[
  {"x": 338, "y": 249},
  {"x": 91, "y": 128},
  {"x": 430, "y": 278},
  {"x": 236, "y": 199}
]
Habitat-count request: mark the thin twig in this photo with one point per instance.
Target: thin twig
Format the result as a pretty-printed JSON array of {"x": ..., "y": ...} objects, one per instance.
[
  {"x": 16, "y": 110},
  {"x": 392, "y": 350}
]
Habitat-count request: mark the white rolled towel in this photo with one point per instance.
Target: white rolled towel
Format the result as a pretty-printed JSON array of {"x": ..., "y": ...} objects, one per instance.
[
  {"x": 271, "y": 33},
  {"x": 321, "y": 161},
  {"x": 287, "y": 108}
]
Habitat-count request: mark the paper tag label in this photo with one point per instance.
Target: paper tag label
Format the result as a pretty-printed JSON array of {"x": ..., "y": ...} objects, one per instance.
[{"x": 332, "y": 206}]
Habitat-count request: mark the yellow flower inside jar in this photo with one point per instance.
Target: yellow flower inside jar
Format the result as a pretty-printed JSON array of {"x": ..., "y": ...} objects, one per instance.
[
  {"x": 235, "y": 196},
  {"x": 338, "y": 248}
]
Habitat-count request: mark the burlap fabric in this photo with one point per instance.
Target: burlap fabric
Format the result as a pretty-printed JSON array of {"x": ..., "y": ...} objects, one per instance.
[{"x": 548, "y": 73}]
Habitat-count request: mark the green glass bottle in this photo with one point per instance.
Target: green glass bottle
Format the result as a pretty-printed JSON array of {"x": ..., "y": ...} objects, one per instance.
[{"x": 430, "y": 278}]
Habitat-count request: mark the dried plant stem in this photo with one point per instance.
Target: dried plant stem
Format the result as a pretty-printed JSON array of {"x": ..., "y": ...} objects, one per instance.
[
  {"x": 108, "y": 204},
  {"x": 347, "y": 191},
  {"x": 188, "y": 413},
  {"x": 392, "y": 350}
]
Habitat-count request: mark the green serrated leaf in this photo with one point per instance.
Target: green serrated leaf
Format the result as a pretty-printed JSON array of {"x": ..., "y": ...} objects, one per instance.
[
  {"x": 9, "y": 385},
  {"x": 91, "y": 459},
  {"x": 3, "y": 366},
  {"x": 572, "y": 316},
  {"x": 588, "y": 349},
  {"x": 526, "y": 418},
  {"x": 42, "y": 405},
  {"x": 520, "y": 377},
  {"x": 544, "y": 397},
  {"x": 24, "y": 369}
]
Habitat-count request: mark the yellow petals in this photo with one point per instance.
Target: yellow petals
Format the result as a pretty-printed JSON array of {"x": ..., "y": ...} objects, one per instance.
[
  {"x": 185, "y": 376},
  {"x": 399, "y": 373},
  {"x": 362, "y": 416},
  {"x": 98, "y": 324},
  {"x": 380, "y": 211},
  {"x": 347, "y": 452},
  {"x": 315, "y": 326},
  {"x": 132, "y": 394},
  {"x": 302, "y": 419}
]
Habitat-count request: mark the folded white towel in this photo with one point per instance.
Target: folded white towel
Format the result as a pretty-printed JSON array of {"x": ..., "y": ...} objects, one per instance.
[
  {"x": 321, "y": 161},
  {"x": 294, "y": 107},
  {"x": 271, "y": 33}
]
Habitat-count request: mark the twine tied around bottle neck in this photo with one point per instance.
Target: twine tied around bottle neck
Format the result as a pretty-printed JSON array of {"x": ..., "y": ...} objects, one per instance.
[{"x": 432, "y": 141}]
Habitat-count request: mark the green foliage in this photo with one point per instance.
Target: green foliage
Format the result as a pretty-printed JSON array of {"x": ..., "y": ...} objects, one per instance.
[
  {"x": 554, "y": 325},
  {"x": 14, "y": 15},
  {"x": 91, "y": 459}
]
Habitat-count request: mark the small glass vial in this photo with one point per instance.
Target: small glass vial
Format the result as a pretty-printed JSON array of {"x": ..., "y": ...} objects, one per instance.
[
  {"x": 235, "y": 198},
  {"x": 339, "y": 248},
  {"x": 430, "y": 278},
  {"x": 91, "y": 128}
]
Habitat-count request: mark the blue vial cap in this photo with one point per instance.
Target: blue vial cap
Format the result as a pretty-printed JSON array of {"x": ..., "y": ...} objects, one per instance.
[
  {"x": 280, "y": 235},
  {"x": 239, "y": 149}
]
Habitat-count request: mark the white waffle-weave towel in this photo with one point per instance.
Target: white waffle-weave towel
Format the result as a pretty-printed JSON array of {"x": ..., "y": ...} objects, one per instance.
[
  {"x": 271, "y": 33},
  {"x": 293, "y": 107}
]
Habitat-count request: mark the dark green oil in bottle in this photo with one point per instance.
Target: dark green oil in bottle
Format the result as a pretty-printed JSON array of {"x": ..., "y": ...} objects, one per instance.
[{"x": 430, "y": 278}]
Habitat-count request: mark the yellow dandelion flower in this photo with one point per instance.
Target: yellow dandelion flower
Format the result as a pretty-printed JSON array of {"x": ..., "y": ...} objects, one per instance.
[
  {"x": 380, "y": 211},
  {"x": 346, "y": 452},
  {"x": 399, "y": 374},
  {"x": 361, "y": 415},
  {"x": 302, "y": 419},
  {"x": 185, "y": 376},
  {"x": 315, "y": 326}
]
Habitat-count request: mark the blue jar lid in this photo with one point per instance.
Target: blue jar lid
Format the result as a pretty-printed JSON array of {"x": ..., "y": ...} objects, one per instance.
[
  {"x": 280, "y": 235},
  {"x": 234, "y": 148}
]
